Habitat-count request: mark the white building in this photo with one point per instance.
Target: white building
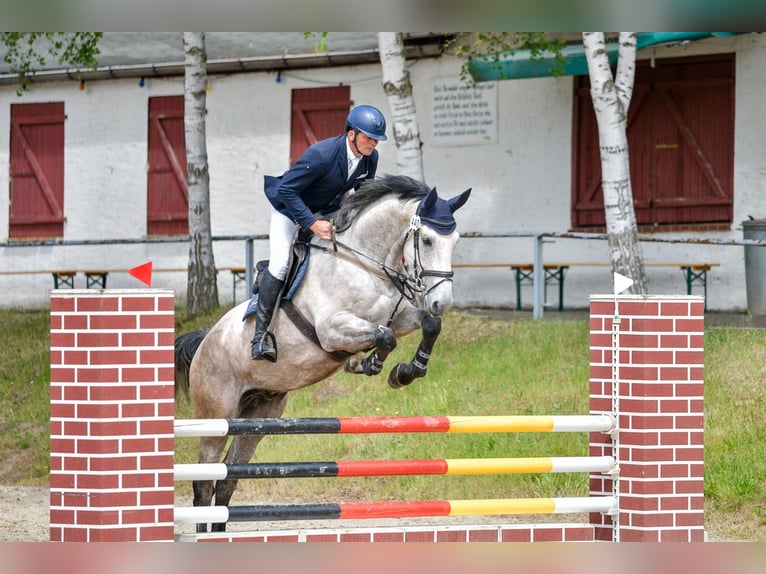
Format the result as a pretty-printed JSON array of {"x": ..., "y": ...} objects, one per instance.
[{"x": 520, "y": 144}]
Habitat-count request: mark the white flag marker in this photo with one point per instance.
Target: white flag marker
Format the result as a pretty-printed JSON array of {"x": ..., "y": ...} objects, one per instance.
[{"x": 621, "y": 283}]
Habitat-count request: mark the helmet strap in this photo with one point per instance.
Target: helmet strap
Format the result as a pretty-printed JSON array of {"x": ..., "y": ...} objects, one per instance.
[{"x": 353, "y": 142}]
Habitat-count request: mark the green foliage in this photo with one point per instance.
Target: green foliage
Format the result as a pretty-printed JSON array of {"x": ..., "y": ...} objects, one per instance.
[
  {"x": 321, "y": 44},
  {"x": 25, "y": 52},
  {"x": 490, "y": 46},
  {"x": 735, "y": 428}
]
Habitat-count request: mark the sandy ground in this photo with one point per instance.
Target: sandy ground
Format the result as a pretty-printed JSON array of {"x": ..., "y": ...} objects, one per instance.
[{"x": 24, "y": 514}]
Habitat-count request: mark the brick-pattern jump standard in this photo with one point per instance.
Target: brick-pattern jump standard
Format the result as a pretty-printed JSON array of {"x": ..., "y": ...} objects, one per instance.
[
  {"x": 661, "y": 402},
  {"x": 112, "y": 411}
]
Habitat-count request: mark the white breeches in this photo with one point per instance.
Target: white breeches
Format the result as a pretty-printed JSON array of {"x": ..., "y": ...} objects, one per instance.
[{"x": 281, "y": 234}]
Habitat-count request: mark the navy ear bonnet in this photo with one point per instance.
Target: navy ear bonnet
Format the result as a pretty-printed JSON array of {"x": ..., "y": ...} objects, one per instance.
[{"x": 436, "y": 212}]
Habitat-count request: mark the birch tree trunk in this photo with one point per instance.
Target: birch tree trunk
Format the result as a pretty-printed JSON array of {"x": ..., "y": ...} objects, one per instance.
[
  {"x": 398, "y": 88},
  {"x": 202, "y": 286},
  {"x": 611, "y": 100}
]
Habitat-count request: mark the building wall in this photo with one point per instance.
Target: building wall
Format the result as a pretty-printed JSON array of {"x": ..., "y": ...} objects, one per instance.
[{"x": 521, "y": 182}]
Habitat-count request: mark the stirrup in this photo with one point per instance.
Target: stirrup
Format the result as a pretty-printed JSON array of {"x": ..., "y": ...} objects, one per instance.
[{"x": 264, "y": 348}]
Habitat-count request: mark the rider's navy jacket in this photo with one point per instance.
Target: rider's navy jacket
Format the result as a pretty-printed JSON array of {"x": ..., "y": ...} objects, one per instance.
[{"x": 317, "y": 182}]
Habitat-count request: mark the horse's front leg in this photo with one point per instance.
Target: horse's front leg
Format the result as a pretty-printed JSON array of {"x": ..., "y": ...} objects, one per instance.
[
  {"x": 404, "y": 373},
  {"x": 372, "y": 364},
  {"x": 345, "y": 331}
]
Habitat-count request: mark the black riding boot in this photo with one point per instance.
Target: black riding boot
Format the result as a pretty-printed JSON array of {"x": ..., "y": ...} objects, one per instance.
[{"x": 264, "y": 345}]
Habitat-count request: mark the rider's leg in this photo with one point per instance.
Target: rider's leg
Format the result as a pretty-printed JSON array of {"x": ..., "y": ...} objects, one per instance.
[
  {"x": 281, "y": 233},
  {"x": 268, "y": 293}
]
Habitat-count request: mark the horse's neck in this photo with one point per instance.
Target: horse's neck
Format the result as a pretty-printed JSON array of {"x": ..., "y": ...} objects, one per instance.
[{"x": 379, "y": 232}]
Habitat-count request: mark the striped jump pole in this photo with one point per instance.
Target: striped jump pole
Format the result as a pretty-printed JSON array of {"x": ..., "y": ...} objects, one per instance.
[
  {"x": 359, "y": 468},
  {"x": 362, "y": 425},
  {"x": 413, "y": 509}
]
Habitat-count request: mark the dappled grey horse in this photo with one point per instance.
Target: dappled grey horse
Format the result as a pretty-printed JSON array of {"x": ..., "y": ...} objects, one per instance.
[{"x": 387, "y": 272}]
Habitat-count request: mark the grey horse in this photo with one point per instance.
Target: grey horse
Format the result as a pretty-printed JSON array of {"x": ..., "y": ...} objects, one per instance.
[{"x": 386, "y": 273}]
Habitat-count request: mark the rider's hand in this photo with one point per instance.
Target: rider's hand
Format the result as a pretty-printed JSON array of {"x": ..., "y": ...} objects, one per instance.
[{"x": 322, "y": 229}]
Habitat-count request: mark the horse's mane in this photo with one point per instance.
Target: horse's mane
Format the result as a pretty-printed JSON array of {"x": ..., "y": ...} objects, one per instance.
[{"x": 372, "y": 190}]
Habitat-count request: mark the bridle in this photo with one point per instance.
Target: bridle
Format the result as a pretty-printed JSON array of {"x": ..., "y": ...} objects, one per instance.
[
  {"x": 410, "y": 283},
  {"x": 415, "y": 279}
]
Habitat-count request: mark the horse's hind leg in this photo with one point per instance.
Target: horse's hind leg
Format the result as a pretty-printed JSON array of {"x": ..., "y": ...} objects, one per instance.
[
  {"x": 404, "y": 373},
  {"x": 242, "y": 448},
  {"x": 210, "y": 450}
]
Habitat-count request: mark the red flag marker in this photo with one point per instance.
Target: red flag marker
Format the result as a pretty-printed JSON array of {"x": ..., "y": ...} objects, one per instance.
[{"x": 143, "y": 273}]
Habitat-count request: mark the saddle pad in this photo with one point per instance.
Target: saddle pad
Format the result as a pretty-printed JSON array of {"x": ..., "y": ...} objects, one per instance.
[{"x": 295, "y": 275}]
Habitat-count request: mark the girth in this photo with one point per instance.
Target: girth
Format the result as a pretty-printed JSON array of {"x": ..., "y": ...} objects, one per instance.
[{"x": 308, "y": 330}]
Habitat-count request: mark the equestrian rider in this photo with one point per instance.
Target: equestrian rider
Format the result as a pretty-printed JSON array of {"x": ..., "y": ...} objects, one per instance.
[{"x": 313, "y": 187}]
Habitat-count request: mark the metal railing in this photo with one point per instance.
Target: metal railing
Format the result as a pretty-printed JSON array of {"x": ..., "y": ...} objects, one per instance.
[{"x": 538, "y": 278}]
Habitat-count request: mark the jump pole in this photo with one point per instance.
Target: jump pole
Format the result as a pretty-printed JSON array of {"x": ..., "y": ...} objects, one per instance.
[{"x": 112, "y": 423}]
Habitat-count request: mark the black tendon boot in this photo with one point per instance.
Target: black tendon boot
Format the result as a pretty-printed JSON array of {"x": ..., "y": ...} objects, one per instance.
[{"x": 264, "y": 345}]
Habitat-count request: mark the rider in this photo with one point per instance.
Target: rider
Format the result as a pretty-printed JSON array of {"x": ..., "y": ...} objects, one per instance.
[{"x": 314, "y": 186}]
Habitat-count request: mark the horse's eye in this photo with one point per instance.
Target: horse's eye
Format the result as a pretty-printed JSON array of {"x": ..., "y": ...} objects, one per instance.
[{"x": 427, "y": 241}]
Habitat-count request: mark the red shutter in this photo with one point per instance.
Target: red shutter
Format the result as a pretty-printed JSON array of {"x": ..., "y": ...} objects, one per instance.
[
  {"x": 168, "y": 198},
  {"x": 37, "y": 170},
  {"x": 680, "y": 139},
  {"x": 317, "y": 114}
]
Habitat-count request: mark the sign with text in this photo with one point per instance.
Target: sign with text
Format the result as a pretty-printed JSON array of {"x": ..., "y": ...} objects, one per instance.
[{"x": 463, "y": 114}]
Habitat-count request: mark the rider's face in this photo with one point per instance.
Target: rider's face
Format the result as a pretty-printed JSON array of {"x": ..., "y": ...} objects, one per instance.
[{"x": 365, "y": 145}]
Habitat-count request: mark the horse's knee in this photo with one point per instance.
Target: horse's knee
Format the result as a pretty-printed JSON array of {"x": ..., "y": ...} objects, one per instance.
[{"x": 385, "y": 340}]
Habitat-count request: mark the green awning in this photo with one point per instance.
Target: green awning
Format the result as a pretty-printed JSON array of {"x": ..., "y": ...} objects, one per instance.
[{"x": 519, "y": 63}]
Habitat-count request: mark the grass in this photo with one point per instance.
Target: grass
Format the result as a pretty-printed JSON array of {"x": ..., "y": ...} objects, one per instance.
[{"x": 480, "y": 366}]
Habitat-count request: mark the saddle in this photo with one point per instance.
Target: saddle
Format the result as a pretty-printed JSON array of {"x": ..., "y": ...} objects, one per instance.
[{"x": 297, "y": 266}]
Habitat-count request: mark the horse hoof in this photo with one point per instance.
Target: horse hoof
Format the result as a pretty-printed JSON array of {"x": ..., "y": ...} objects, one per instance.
[{"x": 395, "y": 378}]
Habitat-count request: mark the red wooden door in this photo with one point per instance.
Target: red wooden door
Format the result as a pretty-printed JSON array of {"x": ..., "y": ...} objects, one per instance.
[
  {"x": 37, "y": 170},
  {"x": 680, "y": 139},
  {"x": 317, "y": 114},
  {"x": 168, "y": 198}
]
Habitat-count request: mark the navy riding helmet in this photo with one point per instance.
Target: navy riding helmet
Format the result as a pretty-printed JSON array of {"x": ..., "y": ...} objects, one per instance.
[{"x": 369, "y": 120}]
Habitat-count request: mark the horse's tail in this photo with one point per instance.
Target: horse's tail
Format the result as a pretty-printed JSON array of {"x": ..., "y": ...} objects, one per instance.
[{"x": 185, "y": 347}]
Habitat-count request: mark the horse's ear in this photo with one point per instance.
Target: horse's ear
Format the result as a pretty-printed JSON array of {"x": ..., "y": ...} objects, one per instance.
[
  {"x": 458, "y": 201},
  {"x": 428, "y": 201}
]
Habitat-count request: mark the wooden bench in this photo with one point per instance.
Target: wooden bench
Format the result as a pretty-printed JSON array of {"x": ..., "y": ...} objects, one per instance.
[
  {"x": 63, "y": 279},
  {"x": 694, "y": 274},
  {"x": 93, "y": 277},
  {"x": 238, "y": 275}
]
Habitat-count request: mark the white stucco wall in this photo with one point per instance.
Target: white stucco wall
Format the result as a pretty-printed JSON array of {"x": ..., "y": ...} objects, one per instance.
[{"x": 520, "y": 183}]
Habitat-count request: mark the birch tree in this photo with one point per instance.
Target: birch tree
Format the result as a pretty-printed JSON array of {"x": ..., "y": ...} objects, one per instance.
[
  {"x": 398, "y": 88},
  {"x": 202, "y": 286},
  {"x": 611, "y": 99}
]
